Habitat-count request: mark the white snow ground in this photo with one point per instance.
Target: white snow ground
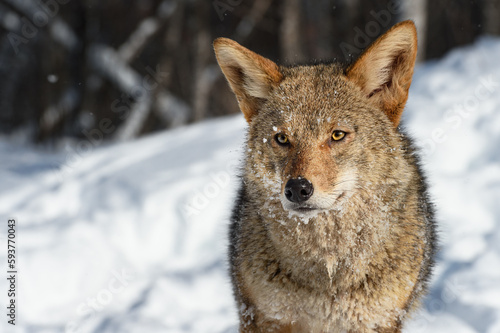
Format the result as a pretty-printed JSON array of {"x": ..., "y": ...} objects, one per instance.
[{"x": 132, "y": 237}]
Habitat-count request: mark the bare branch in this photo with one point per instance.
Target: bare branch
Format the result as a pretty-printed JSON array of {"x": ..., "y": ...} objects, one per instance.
[
  {"x": 58, "y": 29},
  {"x": 146, "y": 30},
  {"x": 110, "y": 65}
]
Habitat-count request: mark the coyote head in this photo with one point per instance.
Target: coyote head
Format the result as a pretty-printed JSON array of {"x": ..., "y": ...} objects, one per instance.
[{"x": 319, "y": 133}]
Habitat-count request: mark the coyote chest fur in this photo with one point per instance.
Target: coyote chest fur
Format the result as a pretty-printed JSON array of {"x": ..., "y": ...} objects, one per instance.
[{"x": 332, "y": 230}]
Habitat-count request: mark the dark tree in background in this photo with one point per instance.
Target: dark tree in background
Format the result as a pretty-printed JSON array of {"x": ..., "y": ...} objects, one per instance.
[
  {"x": 452, "y": 23},
  {"x": 118, "y": 69}
]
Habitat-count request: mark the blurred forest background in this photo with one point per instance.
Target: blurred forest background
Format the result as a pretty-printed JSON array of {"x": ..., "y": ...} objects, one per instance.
[{"x": 115, "y": 70}]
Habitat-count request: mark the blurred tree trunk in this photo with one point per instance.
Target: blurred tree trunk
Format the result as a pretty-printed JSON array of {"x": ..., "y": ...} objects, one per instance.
[
  {"x": 292, "y": 32},
  {"x": 491, "y": 19},
  {"x": 416, "y": 10},
  {"x": 451, "y": 23},
  {"x": 203, "y": 52}
]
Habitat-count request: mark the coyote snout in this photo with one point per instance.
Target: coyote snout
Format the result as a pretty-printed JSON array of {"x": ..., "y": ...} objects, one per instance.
[
  {"x": 297, "y": 193},
  {"x": 301, "y": 195},
  {"x": 298, "y": 190}
]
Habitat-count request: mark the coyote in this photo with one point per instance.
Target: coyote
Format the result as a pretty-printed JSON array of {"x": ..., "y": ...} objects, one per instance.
[{"x": 333, "y": 229}]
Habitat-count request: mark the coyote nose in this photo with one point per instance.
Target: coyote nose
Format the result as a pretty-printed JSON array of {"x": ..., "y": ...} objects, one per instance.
[{"x": 298, "y": 190}]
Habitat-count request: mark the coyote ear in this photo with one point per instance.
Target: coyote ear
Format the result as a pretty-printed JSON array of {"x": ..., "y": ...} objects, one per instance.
[
  {"x": 250, "y": 75},
  {"x": 384, "y": 71}
]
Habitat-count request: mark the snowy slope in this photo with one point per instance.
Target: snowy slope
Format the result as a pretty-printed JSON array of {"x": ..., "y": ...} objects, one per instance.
[{"x": 132, "y": 237}]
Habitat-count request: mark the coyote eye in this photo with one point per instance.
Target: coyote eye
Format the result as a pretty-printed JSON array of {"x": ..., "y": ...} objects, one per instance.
[
  {"x": 281, "y": 139},
  {"x": 338, "y": 135}
]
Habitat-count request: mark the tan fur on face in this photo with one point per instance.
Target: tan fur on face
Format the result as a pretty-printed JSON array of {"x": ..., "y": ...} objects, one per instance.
[{"x": 361, "y": 260}]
